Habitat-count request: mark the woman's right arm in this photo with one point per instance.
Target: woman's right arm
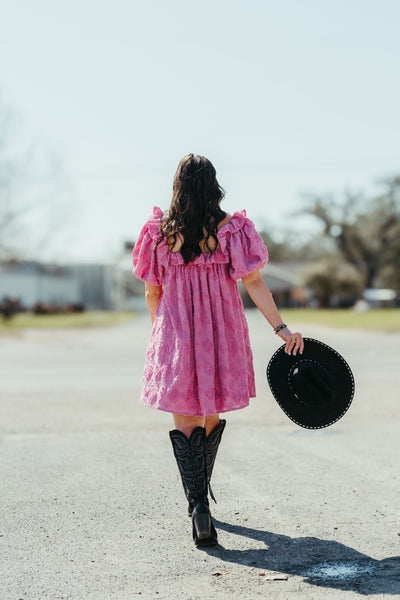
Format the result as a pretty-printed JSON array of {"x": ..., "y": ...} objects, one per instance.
[
  {"x": 153, "y": 295},
  {"x": 262, "y": 298}
]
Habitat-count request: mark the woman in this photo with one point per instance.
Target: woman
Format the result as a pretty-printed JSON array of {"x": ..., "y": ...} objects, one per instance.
[{"x": 198, "y": 361}]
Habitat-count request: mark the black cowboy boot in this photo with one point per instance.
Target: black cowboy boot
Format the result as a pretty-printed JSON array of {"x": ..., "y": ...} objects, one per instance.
[
  {"x": 190, "y": 454},
  {"x": 213, "y": 441}
]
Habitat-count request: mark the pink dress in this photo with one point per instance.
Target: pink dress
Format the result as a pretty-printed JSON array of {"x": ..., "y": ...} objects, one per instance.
[{"x": 198, "y": 360}]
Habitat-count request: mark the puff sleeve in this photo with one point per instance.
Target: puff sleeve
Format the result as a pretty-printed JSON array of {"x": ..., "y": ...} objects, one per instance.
[
  {"x": 247, "y": 250},
  {"x": 144, "y": 255}
]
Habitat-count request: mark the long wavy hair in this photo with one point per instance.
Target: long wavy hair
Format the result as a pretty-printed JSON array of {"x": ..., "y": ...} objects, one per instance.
[{"x": 194, "y": 212}]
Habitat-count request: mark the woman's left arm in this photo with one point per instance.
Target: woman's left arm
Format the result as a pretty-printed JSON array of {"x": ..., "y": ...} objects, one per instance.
[
  {"x": 263, "y": 299},
  {"x": 152, "y": 294}
]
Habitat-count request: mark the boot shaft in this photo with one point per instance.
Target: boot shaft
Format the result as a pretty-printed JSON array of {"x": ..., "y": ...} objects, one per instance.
[
  {"x": 190, "y": 454},
  {"x": 213, "y": 441}
]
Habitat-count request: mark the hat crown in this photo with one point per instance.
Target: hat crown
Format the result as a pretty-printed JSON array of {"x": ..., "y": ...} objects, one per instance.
[
  {"x": 311, "y": 383},
  {"x": 315, "y": 388}
]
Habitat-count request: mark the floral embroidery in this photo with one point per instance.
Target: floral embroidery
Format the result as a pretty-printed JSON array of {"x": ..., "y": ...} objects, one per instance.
[{"x": 198, "y": 360}]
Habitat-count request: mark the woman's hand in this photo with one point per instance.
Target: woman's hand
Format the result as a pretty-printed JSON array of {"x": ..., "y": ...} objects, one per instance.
[{"x": 294, "y": 341}]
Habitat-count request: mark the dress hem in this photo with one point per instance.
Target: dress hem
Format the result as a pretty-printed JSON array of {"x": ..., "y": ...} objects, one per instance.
[{"x": 197, "y": 415}]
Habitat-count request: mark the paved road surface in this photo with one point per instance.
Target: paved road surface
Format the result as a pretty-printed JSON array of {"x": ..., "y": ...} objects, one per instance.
[{"x": 91, "y": 500}]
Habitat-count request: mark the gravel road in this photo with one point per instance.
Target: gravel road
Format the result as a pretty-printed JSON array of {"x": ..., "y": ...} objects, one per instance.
[{"x": 92, "y": 505}]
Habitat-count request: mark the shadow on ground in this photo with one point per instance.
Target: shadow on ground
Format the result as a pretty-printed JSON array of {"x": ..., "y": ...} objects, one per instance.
[{"x": 322, "y": 563}]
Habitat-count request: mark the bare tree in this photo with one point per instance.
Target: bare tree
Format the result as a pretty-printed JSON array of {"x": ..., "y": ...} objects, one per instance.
[{"x": 34, "y": 192}]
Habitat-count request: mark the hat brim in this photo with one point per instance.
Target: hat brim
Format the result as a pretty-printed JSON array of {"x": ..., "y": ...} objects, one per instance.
[{"x": 311, "y": 417}]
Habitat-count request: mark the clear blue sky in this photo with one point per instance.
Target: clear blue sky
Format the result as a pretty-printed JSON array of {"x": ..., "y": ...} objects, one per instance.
[{"x": 283, "y": 98}]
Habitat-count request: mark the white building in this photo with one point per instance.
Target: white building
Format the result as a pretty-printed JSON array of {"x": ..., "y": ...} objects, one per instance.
[{"x": 99, "y": 287}]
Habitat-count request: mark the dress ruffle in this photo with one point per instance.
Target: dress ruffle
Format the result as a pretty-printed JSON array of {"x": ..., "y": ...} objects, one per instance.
[
  {"x": 239, "y": 244},
  {"x": 144, "y": 255}
]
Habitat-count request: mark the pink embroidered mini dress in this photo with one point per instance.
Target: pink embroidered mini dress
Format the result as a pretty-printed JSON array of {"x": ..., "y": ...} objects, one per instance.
[{"x": 198, "y": 360}]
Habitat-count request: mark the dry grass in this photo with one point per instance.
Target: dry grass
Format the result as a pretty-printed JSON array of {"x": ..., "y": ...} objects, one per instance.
[
  {"x": 93, "y": 318},
  {"x": 387, "y": 320}
]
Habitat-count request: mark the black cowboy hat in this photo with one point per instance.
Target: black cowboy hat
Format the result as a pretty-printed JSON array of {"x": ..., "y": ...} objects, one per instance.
[{"x": 315, "y": 388}]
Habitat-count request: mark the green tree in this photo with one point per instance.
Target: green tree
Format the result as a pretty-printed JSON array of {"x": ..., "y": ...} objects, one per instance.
[
  {"x": 365, "y": 231},
  {"x": 332, "y": 277}
]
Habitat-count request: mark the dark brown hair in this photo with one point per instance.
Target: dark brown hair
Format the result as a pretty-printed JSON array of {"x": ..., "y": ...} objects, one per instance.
[{"x": 194, "y": 212}]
